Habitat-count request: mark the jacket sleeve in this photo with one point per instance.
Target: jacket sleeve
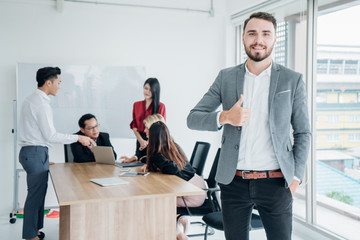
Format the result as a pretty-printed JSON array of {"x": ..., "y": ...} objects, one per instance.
[
  {"x": 203, "y": 116},
  {"x": 80, "y": 153},
  {"x": 133, "y": 122},
  {"x": 165, "y": 165},
  {"x": 301, "y": 126}
]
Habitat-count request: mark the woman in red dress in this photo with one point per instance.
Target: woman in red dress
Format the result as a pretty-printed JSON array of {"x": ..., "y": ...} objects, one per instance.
[{"x": 141, "y": 110}]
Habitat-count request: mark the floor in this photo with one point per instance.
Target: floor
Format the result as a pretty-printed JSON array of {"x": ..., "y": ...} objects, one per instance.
[{"x": 13, "y": 231}]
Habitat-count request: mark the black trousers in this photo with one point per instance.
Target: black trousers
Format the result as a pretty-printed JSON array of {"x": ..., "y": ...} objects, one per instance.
[
  {"x": 272, "y": 199},
  {"x": 140, "y": 153},
  {"x": 35, "y": 161}
]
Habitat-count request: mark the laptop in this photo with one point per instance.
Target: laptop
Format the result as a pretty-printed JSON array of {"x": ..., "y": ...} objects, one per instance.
[{"x": 105, "y": 155}]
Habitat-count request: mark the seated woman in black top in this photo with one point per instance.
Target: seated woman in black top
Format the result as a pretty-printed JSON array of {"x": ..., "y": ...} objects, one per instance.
[
  {"x": 166, "y": 156},
  {"x": 140, "y": 154}
]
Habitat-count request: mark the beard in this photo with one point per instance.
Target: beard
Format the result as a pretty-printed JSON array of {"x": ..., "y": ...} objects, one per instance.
[{"x": 258, "y": 57}]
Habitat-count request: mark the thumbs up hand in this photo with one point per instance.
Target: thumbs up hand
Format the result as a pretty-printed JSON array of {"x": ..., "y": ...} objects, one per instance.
[{"x": 237, "y": 115}]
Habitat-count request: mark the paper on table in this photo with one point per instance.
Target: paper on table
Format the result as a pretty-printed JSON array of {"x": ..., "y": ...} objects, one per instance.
[{"x": 108, "y": 181}]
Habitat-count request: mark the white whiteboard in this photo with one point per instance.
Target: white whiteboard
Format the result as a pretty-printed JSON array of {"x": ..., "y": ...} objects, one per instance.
[{"x": 108, "y": 92}]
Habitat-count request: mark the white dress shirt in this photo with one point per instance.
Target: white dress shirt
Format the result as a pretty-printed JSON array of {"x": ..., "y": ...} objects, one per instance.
[
  {"x": 256, "y": 149},
  {"x": 36, "y": 125}
]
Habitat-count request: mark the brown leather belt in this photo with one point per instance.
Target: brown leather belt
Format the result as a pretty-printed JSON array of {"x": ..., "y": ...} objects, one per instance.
[{"x": 259, "y": 175}]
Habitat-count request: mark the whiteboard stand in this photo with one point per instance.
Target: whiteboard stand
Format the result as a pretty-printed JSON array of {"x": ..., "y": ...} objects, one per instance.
[{"x": 16, "y": 171}]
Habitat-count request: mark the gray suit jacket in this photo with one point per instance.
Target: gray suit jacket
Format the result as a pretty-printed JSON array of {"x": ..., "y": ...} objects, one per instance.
[{"x": 287, "y": 105}]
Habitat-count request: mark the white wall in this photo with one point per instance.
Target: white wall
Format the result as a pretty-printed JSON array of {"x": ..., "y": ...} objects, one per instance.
[
  {"x": 234, "y": 6},
  {"x": 183, "y": 50}
]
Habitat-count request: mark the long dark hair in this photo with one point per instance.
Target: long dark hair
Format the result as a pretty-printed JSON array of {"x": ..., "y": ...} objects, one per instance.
[
  {"x": 160, "y": 142},
  {"x": 155, "y": 92}
]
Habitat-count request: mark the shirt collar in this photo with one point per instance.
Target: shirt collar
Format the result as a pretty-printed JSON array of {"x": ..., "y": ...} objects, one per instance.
[
  {"x": 266, "y": 72},
  {"x": 42, "y": 94}
]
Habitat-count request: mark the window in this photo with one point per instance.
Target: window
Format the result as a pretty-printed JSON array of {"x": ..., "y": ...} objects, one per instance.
[
  {"x": 321, "y": 97},
  {"x": 342, "y": 139},
  {"x": 333, "y": 138},
  {"x": 348, "y": 97},
  {"x": 322, "y": 66},
  {"x": 336, "y": 67},
  {"x": 281, "y": 43},
  {"x": 354, "y": 137},
  {"x": 333, "y": 118},
  {"x": 354, "y": 118},
  {"x": 351, "y": 67}
]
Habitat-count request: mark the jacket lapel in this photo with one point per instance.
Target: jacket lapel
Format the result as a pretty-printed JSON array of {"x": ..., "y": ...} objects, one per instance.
[
  {"x": 275, "y": 74},
  {"x": 240, "y": 80}
]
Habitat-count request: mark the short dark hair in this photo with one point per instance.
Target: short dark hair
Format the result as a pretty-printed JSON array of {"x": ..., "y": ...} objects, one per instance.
[
  {"x": 84, "y": 118},
  {"x": 262, "y": 15},
  {"x": 47, "y": 73}
]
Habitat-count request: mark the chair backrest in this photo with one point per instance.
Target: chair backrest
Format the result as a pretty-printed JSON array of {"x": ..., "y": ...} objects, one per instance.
[
  {"x": 198, "y": 156},
  {"x": 68, "y": 153},
  {"x": 211, "y": 182}
]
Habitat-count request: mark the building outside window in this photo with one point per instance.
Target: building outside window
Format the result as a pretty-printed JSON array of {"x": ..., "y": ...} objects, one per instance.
[
  {"x": 351, "y": 67},
  {"x": 336, "y": 66},
  {"x": 322, "y": 66},
  {"x": 337, "y": 154},
  {"x": 354, "y": 137},
  {"x": 333, "y": 118},
  {"x": 333, "y": 138},
  {"x": 354, "y": 118}
]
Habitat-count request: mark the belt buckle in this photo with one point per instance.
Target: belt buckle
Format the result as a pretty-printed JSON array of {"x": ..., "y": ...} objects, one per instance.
[{"x": 243, "y": 173}]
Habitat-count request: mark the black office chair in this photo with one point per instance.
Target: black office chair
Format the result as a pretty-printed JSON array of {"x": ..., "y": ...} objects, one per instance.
[
  {"x": 198, "y": 156},
  {"x": 211, "y": 203},
  {"x": 214, "y": 220},
  {"x": 69, "y": 157}
]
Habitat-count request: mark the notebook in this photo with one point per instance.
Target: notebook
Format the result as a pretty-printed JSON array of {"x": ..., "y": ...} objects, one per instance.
[{"x": 112, "y": 181}]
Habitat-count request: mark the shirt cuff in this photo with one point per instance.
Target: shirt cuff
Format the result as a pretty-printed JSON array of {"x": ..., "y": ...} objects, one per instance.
[
  {"x": 218, "y": 121},
  {"x": 297, "y": 179}
]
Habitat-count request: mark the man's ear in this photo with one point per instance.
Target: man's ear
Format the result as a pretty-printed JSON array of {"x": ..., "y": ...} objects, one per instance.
[
  {"x": 82, "y": 130},
  {"x": 48, "y": 83}
]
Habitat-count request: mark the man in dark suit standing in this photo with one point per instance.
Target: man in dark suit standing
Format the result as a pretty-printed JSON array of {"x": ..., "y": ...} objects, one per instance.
[
  {"x": 259, "y": 163},
  {"x": 89, "y": 127}
]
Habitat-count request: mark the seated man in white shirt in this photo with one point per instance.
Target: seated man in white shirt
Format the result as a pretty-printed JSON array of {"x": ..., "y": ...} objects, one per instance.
[{"x": 36, "y": 134}]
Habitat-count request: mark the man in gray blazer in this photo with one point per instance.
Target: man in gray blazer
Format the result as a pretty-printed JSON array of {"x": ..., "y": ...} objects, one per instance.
[{"x": 259, "y": 164}]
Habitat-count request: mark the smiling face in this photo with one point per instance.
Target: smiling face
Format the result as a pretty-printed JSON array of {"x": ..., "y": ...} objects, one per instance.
[
  {"x": 259, "y": 39},
  {"x": 147, "y": 92}
]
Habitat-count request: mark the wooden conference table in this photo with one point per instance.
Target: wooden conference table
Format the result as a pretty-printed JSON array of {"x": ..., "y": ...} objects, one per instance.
[{"x": 145, "y": 208}]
